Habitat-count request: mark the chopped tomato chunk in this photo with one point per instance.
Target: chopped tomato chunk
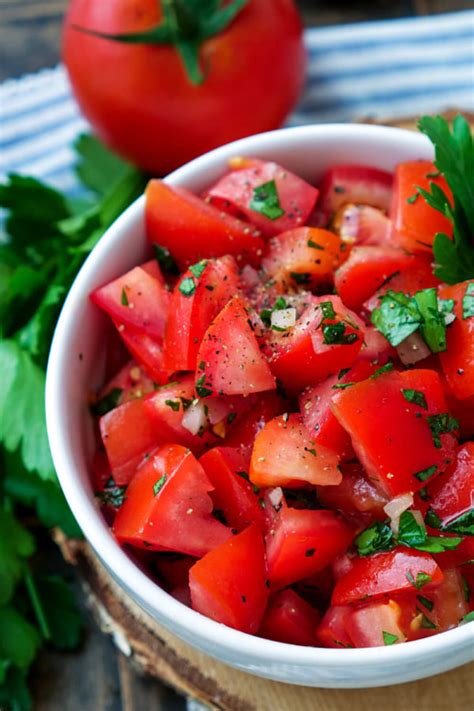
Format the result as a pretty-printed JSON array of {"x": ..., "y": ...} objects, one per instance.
[
  {"x": 191, "y": 229},
  {"x": 362, "y": 225},
  {"x": 245, "y": 188},
  {"x": 228, "y": 584},
  {"x": 457, "y": 360},
  {"x": 375, "y": 625},
  {"x": 229, "y": 358},
  {"x": 284, "y": 454},
  {"x": 290, "y": 619},
  {"x": 452, "y": 495},
  {"x": 360, "y": 184}
]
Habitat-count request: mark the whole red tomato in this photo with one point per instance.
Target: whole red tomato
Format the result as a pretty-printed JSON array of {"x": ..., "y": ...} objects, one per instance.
[{"x": 141, "y": 100}]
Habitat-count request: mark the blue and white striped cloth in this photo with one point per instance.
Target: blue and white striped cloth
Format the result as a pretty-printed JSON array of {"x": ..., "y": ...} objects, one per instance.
[{"x": 377, "y": 69}]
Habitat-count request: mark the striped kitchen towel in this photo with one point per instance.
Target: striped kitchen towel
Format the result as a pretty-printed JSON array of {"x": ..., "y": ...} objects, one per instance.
[{"x": 374, "y": 69}]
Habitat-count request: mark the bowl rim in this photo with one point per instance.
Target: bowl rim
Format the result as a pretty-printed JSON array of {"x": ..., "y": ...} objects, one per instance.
[{"x": 88, "y": 516}]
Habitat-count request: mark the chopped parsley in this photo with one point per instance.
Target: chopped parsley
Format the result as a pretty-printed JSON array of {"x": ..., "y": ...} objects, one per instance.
[
  {"x": 165, "y": 260},
  {"x": 432, "y": 519},
  {"x": 174, "y": 404},
  {"x": 201, "y": 388},
  {"x": 426, "y": 623},
  {"x": 415, "y": 396},
  {"x": 112, "y": 495},
  {"x": 412, "y": 198},
  {"x": 198, "y": 268},
  {"x": 266, "y": 314},
  {"x": 311, "y": 451},
  {"x": 187, "y": 286},
  {"x": 301, "y": 277},
  {"x": 425, "y": 474},
  {"x": 108, "y": 402},
  {"x": 469, "y": 617},
  {"x": 342, "y": 373},
  {"x": 377, "y": 537},
  {"x": 441, "y": 424},
  {"x": 468, "y": 301},
  {"x": 463, "y": 524},
  {"x": 426, "y": 602},
  {"x": 389, "y": 638},
  {"x": 432, "y": 311},
  {"x": 327, "y": 309},
  {"x": 266, "y": 201},
  {"x": 422, "y": 579},
  {"x": 314, "y": 245},
  {"x": 124, "y": 298},
  {"x": 335, "y": 334},
  {"x": 383, "y": 369},
  {"x": 310, "y": 552},
  {"x": 158, "y": 485}
]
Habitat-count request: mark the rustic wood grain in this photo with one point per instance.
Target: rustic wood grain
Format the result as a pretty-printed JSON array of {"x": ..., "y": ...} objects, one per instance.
[{"x": 160, "y": 654}]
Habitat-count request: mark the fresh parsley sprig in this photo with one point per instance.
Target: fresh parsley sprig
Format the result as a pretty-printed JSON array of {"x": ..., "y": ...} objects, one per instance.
[
  {"x": 46, "y": 239},
  {"x": 454, "y": 158}
]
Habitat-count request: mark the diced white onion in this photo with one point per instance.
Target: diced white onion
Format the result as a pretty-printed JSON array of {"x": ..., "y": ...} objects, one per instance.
[
  {"x": 284, "y": 318},
  {"x": 194, "y": 417},
  {"x": 413, "y": 349},
  {"x": 217, "y": 410},
  {"x": 396, "y": 507},
  {"x": 275, "y": 496},
  {"x": 449, "y": 318}
]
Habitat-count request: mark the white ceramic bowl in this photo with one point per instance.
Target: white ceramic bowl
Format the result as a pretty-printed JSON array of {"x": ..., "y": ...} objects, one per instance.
[{"x": 75, "y": 367}]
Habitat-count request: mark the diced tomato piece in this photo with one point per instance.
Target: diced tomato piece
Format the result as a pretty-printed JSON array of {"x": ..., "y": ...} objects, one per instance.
[
  {"x": 463, "y": 411},
  {"x": 360, "y": 184},
  {"x": 239, "y": 189},
  {"x": 131, "y": 381},
  {"x": 385, "y": 574},
  {"x": 463, "y": 555},
  {"x": 356, "y": 494},
  {"x": 173, "y": 571},
  {"x": 290, "y": 619},
  {"x": 442, "y": 608},
  {"x": 284, "y": 454},
  {"x": 301, "y": 542},
  {"x": 317, "y": 588},
  {"x": 137, "y": 299},
  {"x": 415, "y": 223},
  {"x": 195, "y": 302},
  {"x": 233, "y": 494},
  {"x": 228, "y": 584},
  {"x": 362, "y": 225},
  {"x": 376, "y": 348},
  {"x": 418, "y": 274},
  {"x": 165, "y": 409},
  {"x": 128, "y": 434},
  {"x": 147, "y": 351},
  {"x": 100, "y": 470},
  {"x": 366, "y": 269},
  {"x": 332, "y": 630},
  {"x": 392, "y": 436},
  {"x": 191, "y": 229},
  {"x": 307, "y": 255},
  {"x": 307, "y": 354},
  {"x": 316, "y": 412},
  {"x": 457, "y": 360},
  {"x": 229, "y": 358},
  {"x": 452, "y": 495},
  {"x": 168, "y": 506},
  {"x": 375, "y": 625},
  {"x": 248, "y": 424}
]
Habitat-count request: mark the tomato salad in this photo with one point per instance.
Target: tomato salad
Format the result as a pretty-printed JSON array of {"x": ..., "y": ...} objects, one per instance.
[{"x": 288, "y": 446}]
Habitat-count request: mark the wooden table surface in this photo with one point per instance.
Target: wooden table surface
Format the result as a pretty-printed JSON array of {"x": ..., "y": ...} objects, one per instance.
[{"x": 98, "y": 677}]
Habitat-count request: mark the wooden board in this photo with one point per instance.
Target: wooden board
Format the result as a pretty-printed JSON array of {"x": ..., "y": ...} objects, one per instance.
[{"x": 157, "y": 653}]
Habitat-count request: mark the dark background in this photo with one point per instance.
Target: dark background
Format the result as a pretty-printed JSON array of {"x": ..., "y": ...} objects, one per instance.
[
  {"x": 30, "y": 29},
  {"x": 98, "y": 677}
]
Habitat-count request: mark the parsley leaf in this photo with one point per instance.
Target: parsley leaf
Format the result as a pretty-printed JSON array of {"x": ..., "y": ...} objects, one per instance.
[
  {"x": 109, "y": 402},
  {"x": 164, "y": 259},
  {"x": 266, "y": 201},
  {"x": 389, "y": 638},
  {"x": 159, "y": 484},
  {"x": 16, "y": 546},
  {"x": 187, "y": 286},
  {"x": 468, "y": 301},
  {"x": 441, "y": 424},
  {"x": 198, "y": 268},
  {"x": 377, "y": 537},
  {"x": 463, "y": 524},
  {"x": 60, "y": 611},
  {"x": 266, "y": 314},
  {"x": 335, "y": 334},
  {"x": 454, "y": 158},
  {"x": 413, "y": 535},
  {"x": 415, "y": 396},
  {"x": 427, "y": 473}
]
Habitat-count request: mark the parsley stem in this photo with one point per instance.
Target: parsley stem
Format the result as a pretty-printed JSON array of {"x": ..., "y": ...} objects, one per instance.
[{"x": 36, "y": 604}]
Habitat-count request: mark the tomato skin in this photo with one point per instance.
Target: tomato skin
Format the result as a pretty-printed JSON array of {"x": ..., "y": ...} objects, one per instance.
[
  {"x": 457, "y": 360},
  {"x": 284, "y": 454},
  {"x": 137, "y": 299},
  {"x": 365, "y": 271},
  {"x": 142, "y": 98},
  {"x": 356, "y": 494},
  {"x": 229, "y": 358},
  {"x": 390, "y": 438},
  {"x": 147, "y": 351},
  {"x": 317, "y": 416},
  {"x": 192, "y": 230},
  {"x": 452, "y": 494},
  {"x": 248, "y": 424},
  {"x": 290, "y": 619},
  {"x": 233, "y": 494},
  {"x": 367, "y": 624},
  {"x": 354, "y": 184},
  {"x": 301, "y": 542},
  {"x": 228, "y": 584},
  {"x": 415, "y": 223},
  {"x": 362, "y": 225},
  {"x": 302, "y": 358},
  {"x": 190, "y": 316},
  {"x": 384, "y": 574},
  {"x": 418, "y": 274},
  {"x": 128, "y": 434},
  {"x": 291, "y": 253},
  {"x": 332, "y": 630},
  {"x": 177, "y": 517},
  {"x": 174, "y": 576},
  {"x": 131, "y": 380},
  {"x": 236, "y": 190}
]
